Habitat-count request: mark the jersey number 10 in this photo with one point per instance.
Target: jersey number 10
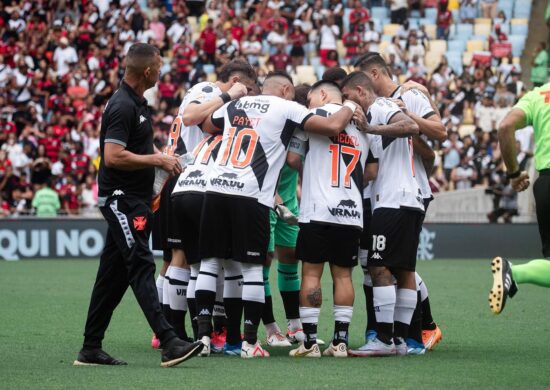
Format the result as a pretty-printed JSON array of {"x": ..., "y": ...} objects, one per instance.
[
  {"x": 232, "y": 151},
  {"x": 336, "y": 150}
]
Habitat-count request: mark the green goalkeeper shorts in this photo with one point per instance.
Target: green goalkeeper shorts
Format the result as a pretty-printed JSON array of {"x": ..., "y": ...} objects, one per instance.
[{"x": 281, "y": 233}]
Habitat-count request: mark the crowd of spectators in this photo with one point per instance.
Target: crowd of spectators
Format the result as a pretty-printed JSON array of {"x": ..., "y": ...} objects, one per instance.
[{"x": 60, "y": 61}]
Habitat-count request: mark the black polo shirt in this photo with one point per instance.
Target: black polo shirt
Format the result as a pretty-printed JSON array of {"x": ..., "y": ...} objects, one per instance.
[{"x": 126, "y": 121}]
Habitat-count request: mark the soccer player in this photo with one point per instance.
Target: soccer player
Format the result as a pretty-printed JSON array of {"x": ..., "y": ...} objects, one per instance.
[
  {"x": 418, "y": 107},
  {"x": 239, "y": 193},
  {"x": 397, "y": 209},
  {"x": 533, "y": 109},
  {"x": 330, "y": 221},
  {"x": 126, "y": 176},
  {"x": 235, "y": 79},
  {"x": 336, "y": 75}
]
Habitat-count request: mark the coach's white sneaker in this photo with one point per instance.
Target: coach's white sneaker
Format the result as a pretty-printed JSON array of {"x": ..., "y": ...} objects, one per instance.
[
  {"x": 278, "y": 340},
  {"x": 253, "y": 350},
  {"x": 302, "y": 351},
  {"x": 340, "y": 350},
  {"x": 374, "y": 347},
  {"x": 206, "y": 350}
]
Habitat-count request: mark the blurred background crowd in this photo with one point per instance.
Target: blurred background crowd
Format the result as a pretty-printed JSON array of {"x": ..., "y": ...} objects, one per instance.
[{"x": 60, "y": 61}]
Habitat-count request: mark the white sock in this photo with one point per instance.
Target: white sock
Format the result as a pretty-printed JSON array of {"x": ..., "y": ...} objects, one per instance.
[
  {"x": 166, "y": 287},
  {"x": 194, "y": 273},
  {"x": 405, "y": 305},
  {"x": 233, "y": 275},
  {"x": 384, "y": 303},
  {"x": 179, "y": 280},
  {"x": 159, "y": 283},
  {"x": 272, "y": 328},
  {"x": 208, "y": 274},
  {"x": 253, "y": 282},
  {"x": 342, "y": 313},
  {"x": 294, "y": 324},
  {"x": 421, "y": 286}
]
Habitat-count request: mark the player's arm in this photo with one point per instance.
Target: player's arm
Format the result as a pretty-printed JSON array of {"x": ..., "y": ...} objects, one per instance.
[
  {"x": 297, "y": 151},
  {"x": 426, "y": 153},
  {"x": 414, "y": 85},
  {"x": 331, "y": 126},
  {"x": 430, "y": 122},
  {"x": 294, "y": 161},
  {"x": 516, "y": 119},
  {"x": 399, "y": 126},
  {"x": 196, "y": 112},
  {"x": 370, "y": 173}
]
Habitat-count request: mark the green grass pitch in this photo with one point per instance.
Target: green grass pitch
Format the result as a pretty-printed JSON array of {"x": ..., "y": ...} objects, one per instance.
[{"x": 44, "y": 303}]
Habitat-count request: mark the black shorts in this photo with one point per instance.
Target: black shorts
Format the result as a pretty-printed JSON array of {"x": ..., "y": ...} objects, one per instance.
[
  {"x": 395, "y": 234},
  {"x": 318, "y": 243},
  {"x": 366, "y": 238},
  {"x": 163, "y": 216},
  {"x": 234, "y": 228},
  {"x": 541, "y": 190},
  {"x": 186, "y": 217}
]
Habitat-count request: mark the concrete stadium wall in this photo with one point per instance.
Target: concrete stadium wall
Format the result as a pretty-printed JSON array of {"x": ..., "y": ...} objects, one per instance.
[{"x": 71, "y": 238}]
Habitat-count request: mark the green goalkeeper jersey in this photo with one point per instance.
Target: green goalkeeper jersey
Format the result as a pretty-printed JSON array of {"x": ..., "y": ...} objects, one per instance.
[
  {"x": 536, "y": 106},
  {"x": 287, "y": 186}
]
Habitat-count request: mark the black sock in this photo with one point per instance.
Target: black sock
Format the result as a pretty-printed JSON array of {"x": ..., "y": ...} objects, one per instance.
[
  {"x": 252, "y": 315},
  {"x": 267, "y": 313},
  {"x": 178, "y": 322},
  {"x": 371, "y": 315},
  {"x": 192, "y": 304},
  {"x": 219, "y": 323},
  {"x": 427, "y": 320},
  {"x": 384, "y": 332},
  {"x": 205, "y": 307},
  {"x": 234, "y": 313},
  {"x": 415, "y": 330},
  {"x": 291, "y": 302},
  {"x": 310, "y": 330},
  {"x": 341, "y": 334},
  {"x": 400, "y": 329}
]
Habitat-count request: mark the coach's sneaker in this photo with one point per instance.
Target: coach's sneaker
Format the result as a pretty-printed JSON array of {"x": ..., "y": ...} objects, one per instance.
[
  {"x": 370, "y": 334},
  {"x": 232, "y": 349},
  {"x": 95, "y": 357},
  {"x": 374, "y": 348},
  {"x": 503, "y": 284},
  {"x": 431, "y": 337},
  {"x": 295, "y": 336},
  {"x": 277, "y": 340},
  {"x": 253, "y": 350},
  {"x": 155, "y": 342},
  {"x": 206, "y": 350},
  {"x": 340, "y": 350},
  {"x": 414, "y": 347},
  {"x": 400, "y": 346},
  {"x": 218, "y": 341},
  {"x": 178, "y": 351},
  {"x": 302, "y": 351}
]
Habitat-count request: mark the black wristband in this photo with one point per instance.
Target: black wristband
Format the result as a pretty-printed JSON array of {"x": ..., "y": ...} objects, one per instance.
[
  {"x": 513, "y": 175},
  {"x": 225, "y": 97}
]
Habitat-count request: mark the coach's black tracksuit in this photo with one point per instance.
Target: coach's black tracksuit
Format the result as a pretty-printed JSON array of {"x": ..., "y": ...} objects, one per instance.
[{"x": 124, "y": 198}]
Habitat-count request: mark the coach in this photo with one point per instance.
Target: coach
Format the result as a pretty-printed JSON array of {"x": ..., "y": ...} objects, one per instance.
[{"x": 126, "y": 176}]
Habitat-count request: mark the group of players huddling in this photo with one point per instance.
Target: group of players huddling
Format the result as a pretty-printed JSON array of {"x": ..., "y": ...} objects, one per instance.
[{"x": 359, "y": 143}]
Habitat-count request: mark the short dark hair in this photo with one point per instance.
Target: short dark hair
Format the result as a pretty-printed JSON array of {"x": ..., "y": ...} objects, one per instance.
[
  {"x": 236, "y": 66},
  {"x": 140, "y": 55},
  {"x": 369, "y": 59},
  {"x": 357, "y": 78},
  {"x": 335, "y": 74},
  {"x": 300, "y": 94},
  {"x": 279, "y": 73},
  {"x": 320, "y": 83}
]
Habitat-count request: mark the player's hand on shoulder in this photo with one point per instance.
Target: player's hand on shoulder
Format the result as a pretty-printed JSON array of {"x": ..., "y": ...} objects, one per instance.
[
  {"x": 170, "y": 164},
  {"x": 360, "y": 120},
  {"x": 238, "y": 90},
  {"x": 520, "y": 183},
  {"x": 401, "y": 104},
  {"x": 409, "y": 85}
]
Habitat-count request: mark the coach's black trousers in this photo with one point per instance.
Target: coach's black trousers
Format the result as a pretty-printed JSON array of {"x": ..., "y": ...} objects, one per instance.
[
  {"x": 541, "y": 191},
  {"x": 126, "y": 261}
]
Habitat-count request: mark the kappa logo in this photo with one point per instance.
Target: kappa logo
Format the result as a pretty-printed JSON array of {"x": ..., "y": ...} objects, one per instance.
[
  {"x": 118, "y": 193},
  {"x": 204, "y": 312},
  {"x": 248, "y": 322},
  {"x": 140, "y": 223},
  {"x": 376, "y": 256},
  {"x": 142, "y": 119}
]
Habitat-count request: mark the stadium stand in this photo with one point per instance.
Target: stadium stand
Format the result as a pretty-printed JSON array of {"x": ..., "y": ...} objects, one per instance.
[{"x": 61, "y": 61}]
